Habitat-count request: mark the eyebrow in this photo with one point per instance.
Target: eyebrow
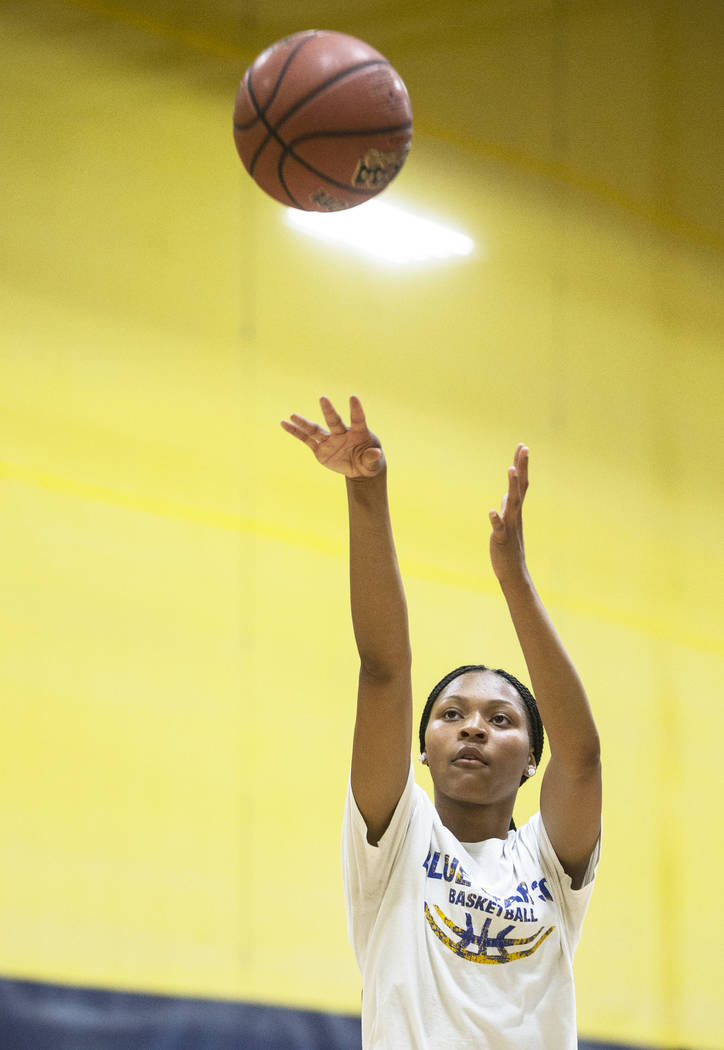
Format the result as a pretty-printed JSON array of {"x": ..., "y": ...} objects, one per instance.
[{"x": 489, "y": 700}]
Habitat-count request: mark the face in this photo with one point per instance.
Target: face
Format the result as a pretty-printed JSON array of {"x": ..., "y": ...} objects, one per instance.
[{"x": 477, "y": 743}]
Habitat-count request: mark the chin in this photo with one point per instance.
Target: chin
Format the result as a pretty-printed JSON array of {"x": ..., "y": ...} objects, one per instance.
[{"x": 471, "y": 795}]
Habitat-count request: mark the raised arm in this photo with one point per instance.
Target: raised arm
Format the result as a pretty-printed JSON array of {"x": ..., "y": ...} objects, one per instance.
[
  {"x": 383, "y": 728},
  {"x": 571, "y": 788}
]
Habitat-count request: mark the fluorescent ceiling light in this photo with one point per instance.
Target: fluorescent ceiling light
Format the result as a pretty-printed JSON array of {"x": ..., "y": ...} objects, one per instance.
[{"x": 383, "y": 231}]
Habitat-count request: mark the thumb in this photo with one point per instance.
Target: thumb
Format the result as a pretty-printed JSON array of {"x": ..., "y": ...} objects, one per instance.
[
  {"x": 370, "y": 459},
  {"x": 496, "y": 522}
]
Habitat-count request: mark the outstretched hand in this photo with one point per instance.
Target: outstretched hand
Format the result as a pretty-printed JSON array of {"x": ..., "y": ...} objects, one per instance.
[
  {"x": 507, "y": 551},
  {"x": 353, "y": 451}
]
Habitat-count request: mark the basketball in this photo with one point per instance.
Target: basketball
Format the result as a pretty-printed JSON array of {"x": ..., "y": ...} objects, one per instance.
[{"x": 322, "y": 122}]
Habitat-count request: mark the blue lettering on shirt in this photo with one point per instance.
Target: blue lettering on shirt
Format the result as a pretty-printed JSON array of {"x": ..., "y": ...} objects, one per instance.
[
  {"x": 450, "y": 867},
  {"x": 432, "y": 872}
]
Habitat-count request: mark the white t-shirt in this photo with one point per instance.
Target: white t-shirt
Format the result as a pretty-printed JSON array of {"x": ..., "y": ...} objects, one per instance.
[{"x": 461, "y": 946}]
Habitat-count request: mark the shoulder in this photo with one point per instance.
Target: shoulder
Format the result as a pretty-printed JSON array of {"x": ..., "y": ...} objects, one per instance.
[
  {"x": 367, "y": 869},
  {"x": 414, "y": 806},
  {"x": 532, "y": 841}
]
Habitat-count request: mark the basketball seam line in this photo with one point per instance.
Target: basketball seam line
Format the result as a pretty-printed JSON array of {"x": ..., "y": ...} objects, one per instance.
[
  {"x": 288, "y": 151},
  {"x": 328, "y": 83},
  {"x": 260, "y": 112},
  {"x": 347, "y": 133},
  {"x": 272, "y": 131}
]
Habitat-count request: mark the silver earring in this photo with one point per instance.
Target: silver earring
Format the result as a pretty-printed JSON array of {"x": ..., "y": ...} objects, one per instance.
[
  {"x": 531, "y": 771},
  {"x": 421, "y": 757}
]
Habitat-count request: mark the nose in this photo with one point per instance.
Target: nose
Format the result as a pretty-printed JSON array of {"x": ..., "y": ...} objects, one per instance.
[{"x": 474, "y": 726}]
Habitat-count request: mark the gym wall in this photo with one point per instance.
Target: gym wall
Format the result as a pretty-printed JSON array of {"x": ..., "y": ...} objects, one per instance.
[{"x": 178, "y": 671}]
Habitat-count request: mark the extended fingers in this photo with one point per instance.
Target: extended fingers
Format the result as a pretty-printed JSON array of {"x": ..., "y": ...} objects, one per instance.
[
  {"x": 332, "y": 417},
  {"x": 356, "y": 414},
  {"x": 304, "y": 429},
  {"x": 510, "y": 503},
  {"x": 520, "y": 460},
  {"x": 517, "y": 479}
]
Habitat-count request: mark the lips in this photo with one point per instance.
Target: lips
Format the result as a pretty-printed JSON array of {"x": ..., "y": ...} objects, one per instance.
[{"x": 469, "y": 756}]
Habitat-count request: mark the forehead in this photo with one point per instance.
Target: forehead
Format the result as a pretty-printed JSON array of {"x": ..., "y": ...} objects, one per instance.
[{"x": 481, "y": 686}]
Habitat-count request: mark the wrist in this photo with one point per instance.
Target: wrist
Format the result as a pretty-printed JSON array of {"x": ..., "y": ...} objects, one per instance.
[
  {"x": 516, "y": 581},
  {"x": 368, "y": 494},
  {"x": 368, "y": 481}
]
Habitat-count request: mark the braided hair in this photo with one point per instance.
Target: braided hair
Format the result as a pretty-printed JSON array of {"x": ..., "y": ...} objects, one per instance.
[{"x": 535, "y": 725}]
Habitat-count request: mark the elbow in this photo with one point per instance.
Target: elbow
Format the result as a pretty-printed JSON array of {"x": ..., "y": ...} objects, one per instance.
[
  {"x": 594, "y": 753},
  {"x": 589, "y": 755},
  {"x": 387, "y": 667},
  {"x": 582, "y": 758}
]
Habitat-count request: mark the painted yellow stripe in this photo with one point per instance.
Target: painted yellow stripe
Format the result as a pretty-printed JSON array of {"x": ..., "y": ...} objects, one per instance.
[
  {"x": 636, "y": 622},
  {"x": 215, "y": 519},
  {"x": 632, "y": 620},
  {"x": 208, "y": 45},
  {"x": 660, "y": 218}
]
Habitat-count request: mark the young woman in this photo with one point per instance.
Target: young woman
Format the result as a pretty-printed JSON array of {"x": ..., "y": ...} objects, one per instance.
[{"x": 464, "y": 927}]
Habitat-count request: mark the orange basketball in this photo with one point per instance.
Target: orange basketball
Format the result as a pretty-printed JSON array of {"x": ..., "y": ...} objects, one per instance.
[{"x": 322, "y": 121}]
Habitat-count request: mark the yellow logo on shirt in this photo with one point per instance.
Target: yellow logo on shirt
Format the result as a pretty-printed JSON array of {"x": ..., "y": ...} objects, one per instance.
[{"x": 482, "y": 947}]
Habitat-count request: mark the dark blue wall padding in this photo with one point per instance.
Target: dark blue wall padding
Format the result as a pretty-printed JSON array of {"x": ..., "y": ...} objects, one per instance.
[
  {"x": 49, "y": 1017},
  {"x": 35, "y": 1016}
]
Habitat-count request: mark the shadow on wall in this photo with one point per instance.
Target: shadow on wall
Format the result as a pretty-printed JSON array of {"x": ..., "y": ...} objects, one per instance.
[{"x": 36, "y": 1016}]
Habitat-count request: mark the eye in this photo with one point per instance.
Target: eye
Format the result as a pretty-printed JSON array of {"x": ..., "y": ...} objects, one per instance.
[
  {"x": 500, "y": 720},
  {"x": 448, "y": 714}
]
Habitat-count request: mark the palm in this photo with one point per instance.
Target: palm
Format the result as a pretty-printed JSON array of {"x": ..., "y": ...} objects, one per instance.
[{"x": 353, "y": 451}]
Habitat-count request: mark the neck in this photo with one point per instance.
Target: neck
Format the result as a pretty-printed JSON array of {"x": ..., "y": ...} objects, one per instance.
[{"x": 475, "y": 822}]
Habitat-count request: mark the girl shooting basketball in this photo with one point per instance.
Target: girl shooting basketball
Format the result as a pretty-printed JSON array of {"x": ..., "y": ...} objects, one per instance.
[{"x": 464, "y": 928}]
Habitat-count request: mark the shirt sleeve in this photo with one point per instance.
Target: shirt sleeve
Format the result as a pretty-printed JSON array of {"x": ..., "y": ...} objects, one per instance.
[
  {"x": 366, "y": 869},
  {"x": 573, "y": 903}
]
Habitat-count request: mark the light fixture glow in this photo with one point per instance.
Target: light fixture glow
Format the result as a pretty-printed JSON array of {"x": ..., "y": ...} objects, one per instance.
[{"x": 383, "y": 231}]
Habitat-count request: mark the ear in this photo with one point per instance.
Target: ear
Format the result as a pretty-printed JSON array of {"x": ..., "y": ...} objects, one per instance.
[{"x": 531, "y": 764}]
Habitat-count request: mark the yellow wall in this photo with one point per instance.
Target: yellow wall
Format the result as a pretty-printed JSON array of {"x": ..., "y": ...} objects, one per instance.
[{"x": 178, "y": 671}]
